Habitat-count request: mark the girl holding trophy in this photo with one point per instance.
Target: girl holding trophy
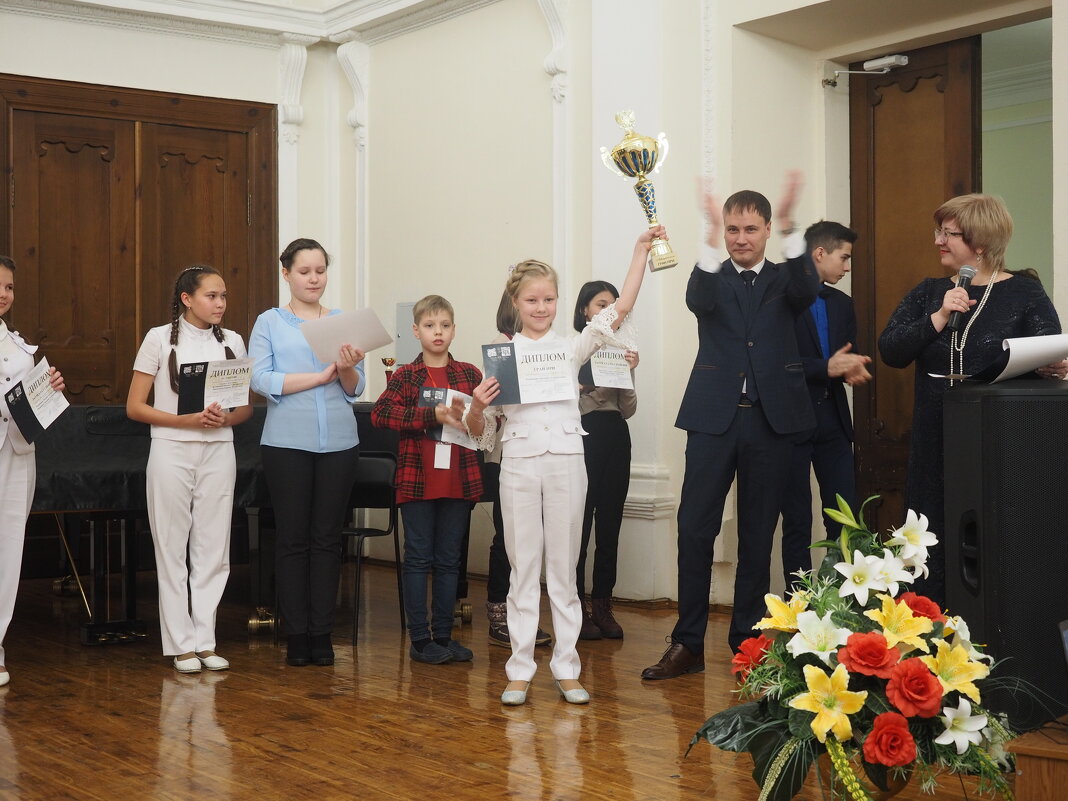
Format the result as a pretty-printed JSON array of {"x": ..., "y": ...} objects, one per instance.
[{"x": 543, "y": 473}]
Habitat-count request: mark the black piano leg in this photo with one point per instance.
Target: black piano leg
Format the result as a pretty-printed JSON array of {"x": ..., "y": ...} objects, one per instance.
[
  {"x": 262, "y": 618},
  {"x": 99, "y": 630}
]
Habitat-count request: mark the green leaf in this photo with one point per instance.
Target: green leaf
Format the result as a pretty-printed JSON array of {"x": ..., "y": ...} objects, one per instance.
[
  {"x": 733, "y": 728},
  {"x": 877, "y": 773},
  {"x": 765, "y": 747},
  {"x": 846, "y": 519},
  {"x": 801, "y": 724}
]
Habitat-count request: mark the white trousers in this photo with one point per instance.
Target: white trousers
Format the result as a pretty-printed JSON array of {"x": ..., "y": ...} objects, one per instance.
[
  {"x": 18, "y": 478},
  {"x": 190, "y": 487},
  {"x": 542, "y": 501}
]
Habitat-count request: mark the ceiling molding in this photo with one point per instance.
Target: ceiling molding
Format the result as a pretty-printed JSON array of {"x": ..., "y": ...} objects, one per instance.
[
  {"x": 251, "y": 22},
  {"x": 1013, "y": 86}
]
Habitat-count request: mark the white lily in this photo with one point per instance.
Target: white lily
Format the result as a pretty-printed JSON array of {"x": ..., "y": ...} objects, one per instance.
[
  {"x": 893, "y": 572},
  {"x": 816, "y": 635},
  {"x": 917, "y": 563},
  {"x": 913, "y": 536},
  {"x": 962, "y": 638},
  {"x": 962, "y": 727},
  {"x": 864, "y": 575}
]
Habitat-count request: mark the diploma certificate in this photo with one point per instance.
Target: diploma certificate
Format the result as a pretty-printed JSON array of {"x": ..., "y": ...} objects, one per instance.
[
  {"x": 33, "y": 404},
  {"x": 610, "y": 369},
  {"x": 224, "y": 382},
  {"x": 432, "y": 397}
]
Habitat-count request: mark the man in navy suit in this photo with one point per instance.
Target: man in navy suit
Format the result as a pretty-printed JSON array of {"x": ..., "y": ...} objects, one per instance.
[
  {"x": 826, "y": 338},
  {"x": 745, "y": 405}
]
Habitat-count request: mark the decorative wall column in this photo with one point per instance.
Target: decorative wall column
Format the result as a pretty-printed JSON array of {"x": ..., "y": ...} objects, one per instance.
[
  {"x": 292, "y": 60},
  {"x": 628, "y": 73},
  {"x": 556, "y": 65},
  {"x": 354, "y": 57}
]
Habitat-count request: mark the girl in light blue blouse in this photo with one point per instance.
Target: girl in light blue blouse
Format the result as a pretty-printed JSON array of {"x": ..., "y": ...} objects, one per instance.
[{"x": 309, "y": 451}]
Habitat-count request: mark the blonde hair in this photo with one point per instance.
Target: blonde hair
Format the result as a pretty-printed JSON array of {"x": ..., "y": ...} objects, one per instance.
[
  {"x": 528, "y": 270},
  {"x": 985, "y": 222},
  {"x": 429, "y": 305}
]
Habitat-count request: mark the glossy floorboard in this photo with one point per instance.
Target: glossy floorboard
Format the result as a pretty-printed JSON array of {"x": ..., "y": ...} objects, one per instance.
[{"x": 116, "y": 723}]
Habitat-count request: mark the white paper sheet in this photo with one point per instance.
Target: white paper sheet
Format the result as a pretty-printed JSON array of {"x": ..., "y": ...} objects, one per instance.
[
  {"x": 361, "y": 329},
  {"x": 1030, "y": 353},
  {"x": 610, "y": 369}
]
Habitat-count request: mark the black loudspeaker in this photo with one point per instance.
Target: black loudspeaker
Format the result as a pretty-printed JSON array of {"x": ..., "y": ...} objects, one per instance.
[{"x": 1006, "y": 463}]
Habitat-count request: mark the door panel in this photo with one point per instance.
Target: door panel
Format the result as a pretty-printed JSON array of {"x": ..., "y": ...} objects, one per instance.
[
  {"x": 73, "y": 244},
  {"x": 194, "y": 211},
  {"x": 913, "y": 144}
]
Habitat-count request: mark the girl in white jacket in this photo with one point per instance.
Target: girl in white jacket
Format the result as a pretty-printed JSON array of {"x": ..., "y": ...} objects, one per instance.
[
  {"x": 18, "y": 466},
  {"x": 543, "y": 475}
]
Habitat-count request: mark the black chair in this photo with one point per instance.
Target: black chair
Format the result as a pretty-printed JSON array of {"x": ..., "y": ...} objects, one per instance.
[{"x": 375, "y": 488}]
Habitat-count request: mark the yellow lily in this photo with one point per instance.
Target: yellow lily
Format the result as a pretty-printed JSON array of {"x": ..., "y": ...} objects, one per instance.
[
  {"x": 900, "y": 625},
  {"x": 782, "y": 615},
  {"x": 829, "y": 699},
  {"x": 955, "y": 671}
]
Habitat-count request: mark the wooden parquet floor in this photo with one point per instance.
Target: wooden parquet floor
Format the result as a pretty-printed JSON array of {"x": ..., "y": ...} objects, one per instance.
[{"x": 116, "y": 723}]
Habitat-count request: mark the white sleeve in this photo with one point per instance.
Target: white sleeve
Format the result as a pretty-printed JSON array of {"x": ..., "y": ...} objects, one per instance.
[{"x": 710, "y": 259}]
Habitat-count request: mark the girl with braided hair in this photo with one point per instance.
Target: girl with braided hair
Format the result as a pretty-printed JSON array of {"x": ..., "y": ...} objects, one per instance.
[{"x": 191, "y": 468}]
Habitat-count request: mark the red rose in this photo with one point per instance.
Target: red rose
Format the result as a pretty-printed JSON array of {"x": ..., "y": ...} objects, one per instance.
[
  {"x": 750, "y": 654},
  {"x": 914, "y": 689},
  {"x": 923, "y": 606},
  {"x": 890, "y": 742},
  {"x": 868, "y": 653}
]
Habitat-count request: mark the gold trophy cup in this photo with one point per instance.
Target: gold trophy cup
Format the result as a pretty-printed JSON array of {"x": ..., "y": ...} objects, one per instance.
[
  {"x": 389, "y": 361},
  {"x": 636, "y": 157}
]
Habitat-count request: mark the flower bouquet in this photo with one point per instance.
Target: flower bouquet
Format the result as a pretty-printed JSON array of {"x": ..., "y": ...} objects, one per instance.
[{"x": 879, "y": 680}]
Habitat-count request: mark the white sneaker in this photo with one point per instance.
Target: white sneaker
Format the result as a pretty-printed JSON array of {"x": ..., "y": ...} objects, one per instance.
[
  {"x": 191, "y": 665},
  {"x": 5, "y": 677},
  {"x": 214, "y": 662}
]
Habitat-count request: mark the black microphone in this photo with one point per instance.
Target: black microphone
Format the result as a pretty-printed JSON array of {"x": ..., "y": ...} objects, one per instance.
[{"x": 964, "y": 280}]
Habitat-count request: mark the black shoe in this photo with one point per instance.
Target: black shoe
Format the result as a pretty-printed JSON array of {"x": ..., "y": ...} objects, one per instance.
[
  {"x": 543, "y": 638},
  {"x": 432, "y": 654},
  {"x": 498, "y": 635},
  {"x": 459, "y": 652},
  {"x": 298, "y": 650},
  {"x": 322, "y": 652}
]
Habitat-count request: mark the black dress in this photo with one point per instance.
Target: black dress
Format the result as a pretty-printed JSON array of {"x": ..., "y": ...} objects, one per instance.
[{"x": 1017, "y": 307}]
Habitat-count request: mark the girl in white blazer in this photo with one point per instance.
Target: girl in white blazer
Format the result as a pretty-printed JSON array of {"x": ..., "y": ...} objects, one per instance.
[
  {"x": 543, "y": 475},
  {"x": 191, "y": 468},
  {"x": 18, "y": 467}
]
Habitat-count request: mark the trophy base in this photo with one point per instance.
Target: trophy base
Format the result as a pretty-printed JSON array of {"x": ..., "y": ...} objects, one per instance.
[{"x": 661, "y": 256}]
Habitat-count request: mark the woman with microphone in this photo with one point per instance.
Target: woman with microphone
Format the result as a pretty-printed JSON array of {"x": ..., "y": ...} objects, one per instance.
[{"x": 955, "y": 326}]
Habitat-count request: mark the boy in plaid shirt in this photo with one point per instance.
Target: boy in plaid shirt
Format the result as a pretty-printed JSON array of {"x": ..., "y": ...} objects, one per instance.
[{"x": 436, "y": 482}]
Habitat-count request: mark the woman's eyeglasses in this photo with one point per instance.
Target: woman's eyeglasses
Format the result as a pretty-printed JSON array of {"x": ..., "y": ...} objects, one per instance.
[{"x": 945, "y": 233}]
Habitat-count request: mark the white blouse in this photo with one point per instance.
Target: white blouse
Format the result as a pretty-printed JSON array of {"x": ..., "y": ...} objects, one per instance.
[{"x": 194, "y": 345}]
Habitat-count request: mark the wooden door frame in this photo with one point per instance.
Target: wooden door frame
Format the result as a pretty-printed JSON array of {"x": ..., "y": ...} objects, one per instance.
[
  {"x": 962, "y": 175},
  {"x": 257, "y": 120}
]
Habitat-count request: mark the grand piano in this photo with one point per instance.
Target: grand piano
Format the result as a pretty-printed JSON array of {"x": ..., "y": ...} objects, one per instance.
[{"x": 91, "y": 473}]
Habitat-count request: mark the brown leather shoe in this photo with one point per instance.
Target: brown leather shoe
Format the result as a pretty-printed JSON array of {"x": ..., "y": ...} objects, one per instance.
[
  {"x": 605, "y": 620},
  {"x": 677, "y": 660},
  {"x": 589, "y": 630}
]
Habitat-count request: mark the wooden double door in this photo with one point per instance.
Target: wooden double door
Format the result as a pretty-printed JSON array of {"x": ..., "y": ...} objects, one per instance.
[{"x": 112, "y": 193}]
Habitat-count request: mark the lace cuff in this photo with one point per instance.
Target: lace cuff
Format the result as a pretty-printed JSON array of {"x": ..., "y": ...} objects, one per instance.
[
  {"x": 626, "y": 336},
  {"x": 488, "y": 439}
]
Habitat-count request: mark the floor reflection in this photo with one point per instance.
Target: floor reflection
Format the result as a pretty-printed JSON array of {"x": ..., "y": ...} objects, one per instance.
[
  {"x": 194, "y": 758},
  {"x": 9, "y": 761}
]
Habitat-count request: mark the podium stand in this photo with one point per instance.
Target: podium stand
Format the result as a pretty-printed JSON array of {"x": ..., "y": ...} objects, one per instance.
[
  {"x": 1042, "y": 762},
  {"x": 1006, "y": 462}
]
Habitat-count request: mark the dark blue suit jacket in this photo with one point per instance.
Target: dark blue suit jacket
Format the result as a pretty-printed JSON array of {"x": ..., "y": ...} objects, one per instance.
[
  {"x": 728, "y": 335},
  {"x": 841, "y": 329}
]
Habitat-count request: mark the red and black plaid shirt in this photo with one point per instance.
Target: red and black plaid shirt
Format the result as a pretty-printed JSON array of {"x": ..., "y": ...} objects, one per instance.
[{"x": 398, "y": 408}]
